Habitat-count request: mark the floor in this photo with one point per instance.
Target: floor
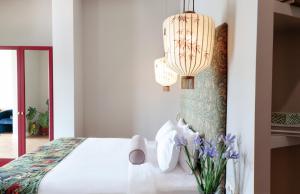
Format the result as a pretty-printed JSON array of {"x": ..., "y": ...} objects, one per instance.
[{"x": 9, "y": 144}]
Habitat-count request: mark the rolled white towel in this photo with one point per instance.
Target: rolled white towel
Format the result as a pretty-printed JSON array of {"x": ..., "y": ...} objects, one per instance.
[{"x": 137, "y": 152}]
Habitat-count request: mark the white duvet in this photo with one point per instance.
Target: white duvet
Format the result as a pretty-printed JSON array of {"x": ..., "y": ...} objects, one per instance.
[{"x": 100, "y": 166}]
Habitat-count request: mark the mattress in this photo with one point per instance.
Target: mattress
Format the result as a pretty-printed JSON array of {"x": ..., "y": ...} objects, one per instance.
[{"x": 100, "y": 166}]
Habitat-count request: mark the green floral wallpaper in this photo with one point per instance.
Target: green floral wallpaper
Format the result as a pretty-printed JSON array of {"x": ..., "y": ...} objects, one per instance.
[{"x": 204, "y": 108}]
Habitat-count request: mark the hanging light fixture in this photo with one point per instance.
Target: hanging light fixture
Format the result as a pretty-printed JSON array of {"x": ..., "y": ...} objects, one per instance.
[
  {"x": 188, "y": 44},
  {"x": 163, "y": 74}
]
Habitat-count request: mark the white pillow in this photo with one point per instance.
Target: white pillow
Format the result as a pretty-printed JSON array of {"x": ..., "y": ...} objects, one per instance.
[
  {"x": 167, "y": 127},
  {"x": 190, "y": 137},
  {"x": 181, "y": 124},
  {"x": 167, "y": 152}
]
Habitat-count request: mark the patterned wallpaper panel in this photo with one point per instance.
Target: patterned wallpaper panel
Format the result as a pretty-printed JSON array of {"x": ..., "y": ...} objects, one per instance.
[{"x": 204, "y": 108}]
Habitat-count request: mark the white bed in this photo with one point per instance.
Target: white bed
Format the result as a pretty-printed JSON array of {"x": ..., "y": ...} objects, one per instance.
[{"x": 100, "y": 166}]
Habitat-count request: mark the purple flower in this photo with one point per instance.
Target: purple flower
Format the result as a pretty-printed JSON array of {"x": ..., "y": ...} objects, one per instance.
[
  {"x": 231, "y": 154},
  {"x": 180, "y": 141},
  {"x": 198, "y": 140},
  {"x": 229, "y": 139},
  {"x": 210, "y": 149},
  {"x": 201, "y": 153}
]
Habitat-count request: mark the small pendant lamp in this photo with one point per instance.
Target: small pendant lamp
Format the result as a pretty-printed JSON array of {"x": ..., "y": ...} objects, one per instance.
[
  {"x": 188, "y": 44},
  {"x": 163, "y": 74}
]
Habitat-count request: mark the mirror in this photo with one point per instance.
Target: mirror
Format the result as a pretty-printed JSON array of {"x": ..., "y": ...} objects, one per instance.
[{"x": 36, "y": 98}]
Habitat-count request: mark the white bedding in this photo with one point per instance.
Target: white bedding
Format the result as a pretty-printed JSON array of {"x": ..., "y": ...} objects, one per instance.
[
  {"x": 148, "y": 178},
  {"x": 100, "y": 166}
]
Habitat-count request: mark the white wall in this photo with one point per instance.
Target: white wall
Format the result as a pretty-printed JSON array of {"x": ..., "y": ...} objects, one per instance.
[
  {"x": 25, "y": 22},
  {"x": 218, "y": 9},
  {"x": 243, "y": 95},
  {"x": 36, "y": 75},
  {"x": 121, "y": 39},
  {"x": 63, "y": 67},
  {"x": 8, "y": 78},
  {"x": 242, "y": 20},
  {"x": 36, "y": 79},
  {"x": 68, "y": 92},
  {"x": 44, "y": 79},
  {"x": 9, "y": 87},
  {"x": 79, "y": 93}
]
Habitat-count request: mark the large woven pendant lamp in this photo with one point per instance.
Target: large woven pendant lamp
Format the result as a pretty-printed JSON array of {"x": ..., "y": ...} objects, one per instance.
[
  {"x": 163, "y": 74},
  {"x": 188, "y": 44}
]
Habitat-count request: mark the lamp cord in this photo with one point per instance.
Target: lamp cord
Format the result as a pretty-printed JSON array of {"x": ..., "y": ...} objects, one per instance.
[
  {"x": 184, "y": 10},
  {"x": 193, "y": 5}
]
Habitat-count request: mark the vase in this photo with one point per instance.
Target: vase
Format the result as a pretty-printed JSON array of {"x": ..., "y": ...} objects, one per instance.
[{"x": 44, "y": 131}]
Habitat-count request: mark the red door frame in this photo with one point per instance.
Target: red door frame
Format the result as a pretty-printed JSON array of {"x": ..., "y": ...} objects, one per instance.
[{"x": 21, "y": 95}]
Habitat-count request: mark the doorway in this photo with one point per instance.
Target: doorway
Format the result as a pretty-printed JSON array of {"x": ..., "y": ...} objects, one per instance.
[{"x": 26, "y": 100}]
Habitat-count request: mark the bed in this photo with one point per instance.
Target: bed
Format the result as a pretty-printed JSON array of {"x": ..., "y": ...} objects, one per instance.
[{"x": 100, "y": 166}]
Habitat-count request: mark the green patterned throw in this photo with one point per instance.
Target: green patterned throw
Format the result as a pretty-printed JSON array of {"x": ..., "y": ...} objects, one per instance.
[{"x": 23, "y": 175}]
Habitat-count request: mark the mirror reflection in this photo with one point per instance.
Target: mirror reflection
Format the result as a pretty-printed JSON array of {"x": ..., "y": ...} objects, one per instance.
[{"x": 36, "y": 98}]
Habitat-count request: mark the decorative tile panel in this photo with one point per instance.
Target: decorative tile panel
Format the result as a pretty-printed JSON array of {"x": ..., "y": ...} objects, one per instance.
[
  {"x": 205, "y": 107},
  {"x": 285, "y": 119}
]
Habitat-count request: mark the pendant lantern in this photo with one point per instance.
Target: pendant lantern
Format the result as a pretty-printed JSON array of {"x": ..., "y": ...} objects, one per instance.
[
  {"x": 163, "y": 74},
  {"x": 188, "y": 43}
]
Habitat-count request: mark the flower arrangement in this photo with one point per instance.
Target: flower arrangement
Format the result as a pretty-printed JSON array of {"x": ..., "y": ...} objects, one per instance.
[{"x": 207, "y": 159}]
